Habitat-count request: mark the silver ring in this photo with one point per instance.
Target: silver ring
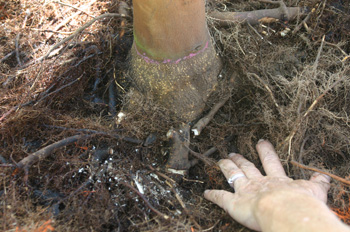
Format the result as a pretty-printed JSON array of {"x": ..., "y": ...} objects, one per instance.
[{"x": 234, "y": 177}]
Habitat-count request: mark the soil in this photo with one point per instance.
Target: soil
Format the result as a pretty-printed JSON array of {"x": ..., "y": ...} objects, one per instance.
[{"x": 291, "y": 86}]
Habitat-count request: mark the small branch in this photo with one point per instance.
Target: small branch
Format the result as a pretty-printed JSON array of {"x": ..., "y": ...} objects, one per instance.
[
  {"x": 68, "y": 19},
  {"x": 297, "y": 28},
  {"x": 18, "y": 37},
  {"x": 258, "y": 16},
  {"x": 59, "y": 89},
  {"x": 203, "y": 157},
  {"x": 127, "y": 139},
  {"x": 7, "y": 56},
  {"x": 17, "y": 50},
  {"x": 161, "y": 174},
  {"x": 13, "y": 109},
  {"x": 48, "y": 150},
  {"x": 203, "y": 122},
  {"x": 340, "y": 179},
  {"x": 66, "y": 4},
  {"x": 76, "y": 32},
  {"x": 210, "y": 151},
  {"x": 267, "y": 88},
  {"x": 166, "y": 217},
  {"x": 314, "y": 67}
]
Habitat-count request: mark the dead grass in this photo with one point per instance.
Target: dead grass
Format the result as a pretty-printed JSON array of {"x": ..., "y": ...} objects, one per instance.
[{"x": 292, "y": 90}]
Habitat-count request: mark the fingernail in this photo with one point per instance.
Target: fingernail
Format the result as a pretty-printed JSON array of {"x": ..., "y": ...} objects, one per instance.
[
  {"x": 328, "y": 178},
  {"x": 206, "y": 191},
  {"x": 219, "y": 163},
  {"x": 261, "y": 140},
  {"x": 232, "y": 154}
]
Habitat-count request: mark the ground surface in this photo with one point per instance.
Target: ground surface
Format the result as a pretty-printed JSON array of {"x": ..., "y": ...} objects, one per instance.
[{"x": 292, "y": 90}]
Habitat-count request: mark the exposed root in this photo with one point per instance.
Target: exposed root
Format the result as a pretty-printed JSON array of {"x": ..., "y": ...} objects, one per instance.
[
  {"x": 340, "y": 179},
  {"x": 258, "y": 16},
  {"x": 28, "y": 161},
  {"x": 166, "y": 217},
  {"x": 203, "y": 122},
  {"x": 178, "y": 162}
]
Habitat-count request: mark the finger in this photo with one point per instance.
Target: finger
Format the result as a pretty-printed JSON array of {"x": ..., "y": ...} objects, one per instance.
[
  {"x": 323, "y": 182},
  {"x": 247, "y": 167},
  {"x": 231, "y": 203},
  {"x": 269, "y": 158},
  {"x": 233, "y": 174},
  {"x": 222, "y": 198}
]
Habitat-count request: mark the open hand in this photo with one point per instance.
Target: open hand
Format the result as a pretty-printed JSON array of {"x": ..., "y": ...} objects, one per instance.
[{"x": 250, "y": 185}]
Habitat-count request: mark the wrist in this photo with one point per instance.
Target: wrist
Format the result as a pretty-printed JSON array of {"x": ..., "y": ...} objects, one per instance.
[{"x": 286, "y": 210}]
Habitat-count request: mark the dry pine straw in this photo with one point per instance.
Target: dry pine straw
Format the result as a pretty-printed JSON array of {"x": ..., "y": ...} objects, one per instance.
[{"x": 291, "y": 90}]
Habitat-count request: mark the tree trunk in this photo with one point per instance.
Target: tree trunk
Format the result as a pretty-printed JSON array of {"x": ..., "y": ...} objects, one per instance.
[{"x": 172, "y": 59}]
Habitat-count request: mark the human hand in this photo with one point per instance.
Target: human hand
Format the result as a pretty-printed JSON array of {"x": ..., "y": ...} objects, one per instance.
[{"x": 251, "y": 186}]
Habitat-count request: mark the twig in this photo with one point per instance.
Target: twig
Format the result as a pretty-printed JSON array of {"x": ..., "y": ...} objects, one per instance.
[
  {"x": 301, "y": 154},
  {"x": 256, "y": 32},
  {"x": 18, "y": 37},
  {"x": 67, "y": 20},
  {"x": 337, "y": 46},
  {"x": 7, "y": 56},
  {"x": 127, "y": 139},
  {"x": 212, "y": 227},
  {"x": 17, "y": 49},
  {"x": 297, "y": 28},
  {"x": 82, "y": 28},
  {"x": 202, "y": 156},
  {"x": 321, "y": 96},
  {"x": 340, "y": 179},
  {"x": 166, "y": 217},
  {"x": 8, "y": 165},
  {"x": 314, "y": 67},
  {"x": 46, "y": 151},
  {"x": 203, "y": 122},
  {"x": 52, "y": 31},
  {"x": 13, "y": 109},
  {"x": 74, "y": 7},
  {"x": 59, "y": 89},
  {"x": 161, "y": 174},
  {"x": 86, "y": 183},
  {"x": 268, "y": 90}
]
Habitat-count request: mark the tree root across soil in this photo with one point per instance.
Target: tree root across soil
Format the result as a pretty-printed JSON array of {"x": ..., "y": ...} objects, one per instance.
[{"x": 291, "y": 88}]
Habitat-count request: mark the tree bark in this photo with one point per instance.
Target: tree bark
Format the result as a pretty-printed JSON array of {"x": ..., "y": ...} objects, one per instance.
[{"x": 173, "y": 60}]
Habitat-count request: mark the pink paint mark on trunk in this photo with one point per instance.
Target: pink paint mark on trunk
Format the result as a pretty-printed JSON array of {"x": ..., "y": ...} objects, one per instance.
[{"x": 167, "y": 61}]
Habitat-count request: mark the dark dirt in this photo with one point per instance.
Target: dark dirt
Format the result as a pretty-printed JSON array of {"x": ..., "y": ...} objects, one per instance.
[{"x": 292, "y": 90}]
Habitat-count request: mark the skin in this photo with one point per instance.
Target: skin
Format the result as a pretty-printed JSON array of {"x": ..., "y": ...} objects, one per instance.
[{"x": 274, "y": 202}]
